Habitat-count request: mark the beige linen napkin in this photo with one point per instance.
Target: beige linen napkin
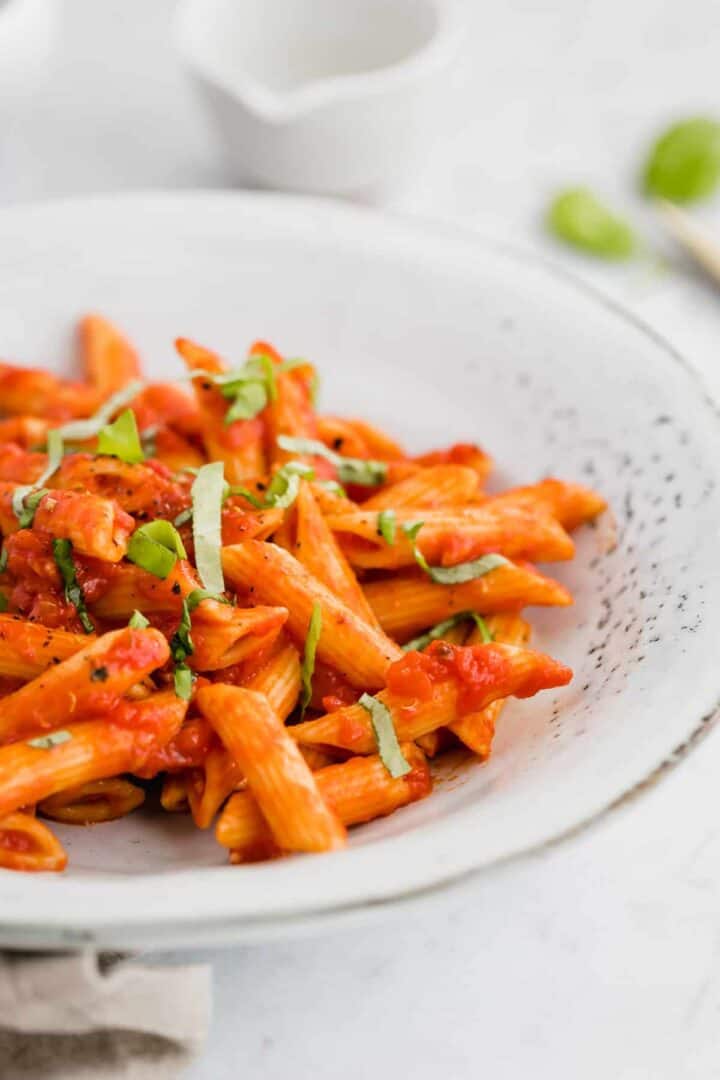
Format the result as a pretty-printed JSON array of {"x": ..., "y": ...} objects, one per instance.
[{"x": 83, "y": 1017}]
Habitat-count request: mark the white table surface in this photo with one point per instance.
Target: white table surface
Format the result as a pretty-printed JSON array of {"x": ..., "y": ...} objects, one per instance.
[{"x": 599, "y": 958}]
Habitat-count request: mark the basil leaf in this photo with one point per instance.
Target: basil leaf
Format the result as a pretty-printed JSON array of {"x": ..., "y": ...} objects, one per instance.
[
  {"x": 148, "y": 442},
  {"x": 183, "y": 679},
  {"x": 121, "y": 439},
  {"x": 138, "y": 621},
  {"x": 235, "y": 489},
  {"x": 3, "y": 560},
  {"x": 308, "y": 664},
  {"x": 684, "y": 163},
  {"x": 80, "y": 430},
  {"x": 25, "y": 503},
  {"x": 156, "y": 547},
  {"x": 437, "y": 632},
  {"x": 451, "y": 575},
  {"x": 350, "y": 470},
  {"x": 385, "y": 736},
  {"x": 579, "y": 218},
  {"x": 198, "y": 595},
  {"x": 46, "y": 742},
  {"x": 62, "y": 553},
  {"x": 249, "y": 399},
  {"x": 333, "y": 487},
  {"x": 183, "y": 517},
  {"x": 386, "y": 526},
  {"x": 467, "y": 571},
  {"x": 4, "y": 602},
  {"x": 207, "y": 492}
]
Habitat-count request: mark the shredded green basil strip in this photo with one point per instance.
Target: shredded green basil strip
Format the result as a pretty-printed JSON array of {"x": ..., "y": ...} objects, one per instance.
[
  {"x": 452, "y": 575},
  {"x": 62, "y": 553},
  {"x": 183, "y": 517},
  {"x": 208, "y": 492},
  {"x": 235, "y": 489},
  {"x": 385, "y": 736},
  {"x": 156, "y": 547},
  {"x": 46, "y": 742},
  {"x": 284, "y": 487},
  {"x": 183, "y": 679},
  {"x": 4, "y": 602},
  {"x": 181, "y": 646},
  {"x": 138, "y": 621},
  {"x": 333, "y": 487},
  {"x": 81, "y": 430},
  {"x": 198, "y": 595},
  {"x": 26, "y": 506},
  {"x": 350, "y": 470},
  {"x": 386, "y": 526},
  {"x": 437, "y": 632},
  {"x": 121, "y": 439},
  {"x": 308, "y": 664},
  {"x": 250, "y": 398},
  {"x": 3, "y": 560}
]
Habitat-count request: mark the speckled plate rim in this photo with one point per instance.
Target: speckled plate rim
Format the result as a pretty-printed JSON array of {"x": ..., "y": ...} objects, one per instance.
[{"x": 159, "y": 925}]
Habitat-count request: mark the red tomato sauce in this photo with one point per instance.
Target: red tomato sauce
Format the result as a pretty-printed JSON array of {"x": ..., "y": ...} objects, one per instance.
[{"x": 475, "y": 669}]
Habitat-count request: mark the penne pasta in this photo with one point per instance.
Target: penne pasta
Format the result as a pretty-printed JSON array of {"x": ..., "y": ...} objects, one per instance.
[
  {"x": 410, "y": 602},
  {"x": 357, "y": 790},
  {"x": 108, "y": 358},
  {"x": 277, "y": 774},
  {"x": 359, "y": 651},
  {"x": 437, "y": 698},
  {"x": 27, "y": 844},
  {"x": 90, "y": 681},
  {"x": 434, "y": 488},
  {"x": 93, "y": 802}
]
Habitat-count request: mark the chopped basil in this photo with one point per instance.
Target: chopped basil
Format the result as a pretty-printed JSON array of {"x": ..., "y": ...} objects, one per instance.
[
  {"x": 386, "y": 526},
  {"x": 249, "y": 387},
  {"x": 235, "y": 489},
  {"x": 385, "y": 736},
  {"x": 46, "y": 742},
  {"x": 249, "y": 399},
  {"x": 121, "y": 439},
  {"x": 183, "y": 681},
  {"x": 284, "y": 487},
  {"x": 349, "y": 470},
  {"x": 3, "y": 559},
  {"x": 138, "y": 621},
  {"x": 684, "y": 163},
  {"x": 308, "y": 664},
  {"x": 440, "y": 629},
  {"x": 156, "y": 547},
  {"x": 147, "y": 440},
  {"x": 333, "y": 487},
  {"x": 198, "y": 595},
  {"x": 62, "y": 552},
  {"x": 452, "y": 575},
  {"x": 25, "y": 505},
  {"x": 183, "y": 517},
  {"x": 4, "y": 602},
  {"x": 80, "y": 430},
  {"x": 208, "y": 491},
  {"x": 579, "y": 218}
]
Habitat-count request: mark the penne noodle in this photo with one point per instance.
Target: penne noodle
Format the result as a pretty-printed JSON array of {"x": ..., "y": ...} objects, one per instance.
[
  {"x": 279, "y": 679},
  {"x": 505, "y": 671},
  {"x": 571, "y": 505},
  {"x": 238, "y": 445},
  {"x": 359, "y": 651},
  {"x": 91, "y": 750},
  {"x": 93, "y": 802},
  {"x": 448, "y": 538},
  {"x": 90, "y": 681},
  {"x": 28, "y": 390},
  {"x": 316, "y": 548},
  {"x": 460, "y": 454},
  {"x": 276, "y": 772},
  {"x": 357, "y": 790},
  {"x": 209, "y": 785},
  {"x": 27, "y": 649},
  {"x": 476, "y": 730},
  {"x": 27, "y": 844},
  {"x": 433, "y": 488},
  {"x": 175, "y": 792},
  {"x": 108, "y": 358},
  {"x": 408, "y": 603}
]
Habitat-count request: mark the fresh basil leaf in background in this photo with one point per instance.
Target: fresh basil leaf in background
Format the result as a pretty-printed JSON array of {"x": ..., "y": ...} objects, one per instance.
[
  {"x": 579, "y": 218},
  {"x": 684, "y": 163}
]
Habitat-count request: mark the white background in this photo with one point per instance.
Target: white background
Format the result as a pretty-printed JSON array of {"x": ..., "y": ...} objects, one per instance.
[{"x": 599, "y": 958}]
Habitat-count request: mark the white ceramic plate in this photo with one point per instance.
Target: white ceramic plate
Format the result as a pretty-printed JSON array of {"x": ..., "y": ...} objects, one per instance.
[{"x": 438, "y": 337}]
